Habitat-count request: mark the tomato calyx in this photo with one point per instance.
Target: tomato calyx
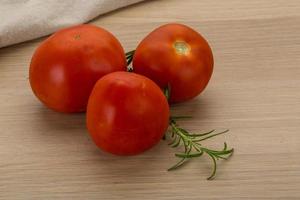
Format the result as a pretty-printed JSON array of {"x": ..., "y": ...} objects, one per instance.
[
  {"x": 181, "y": 47},
  {"x": 167, "y": 92}
]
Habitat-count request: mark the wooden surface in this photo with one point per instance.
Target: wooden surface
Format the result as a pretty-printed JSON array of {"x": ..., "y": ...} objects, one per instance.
[{"x": 255, "y": 92}]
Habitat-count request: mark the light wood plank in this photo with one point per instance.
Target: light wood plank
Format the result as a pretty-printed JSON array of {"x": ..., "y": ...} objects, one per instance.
[{"x": 255, "y": 91}]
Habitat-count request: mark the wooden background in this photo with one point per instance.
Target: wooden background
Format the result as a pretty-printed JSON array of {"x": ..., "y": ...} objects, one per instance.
[{"x": 255, "y": 92}]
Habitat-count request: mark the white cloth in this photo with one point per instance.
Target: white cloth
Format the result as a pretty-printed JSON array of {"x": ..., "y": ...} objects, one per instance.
[{"x": 22, "y": 20}]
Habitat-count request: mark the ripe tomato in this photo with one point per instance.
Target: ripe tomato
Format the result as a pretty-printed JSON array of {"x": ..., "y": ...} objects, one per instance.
[
  {"x": 127, "y": 113},
  {"x": 177, "y": 55},
  {"x": 65, "y": 67}
]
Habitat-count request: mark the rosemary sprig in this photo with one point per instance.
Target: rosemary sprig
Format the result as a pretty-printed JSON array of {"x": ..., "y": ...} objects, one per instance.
[
  {"x": 129, "y": 57},
  {"x": 192, "y": 147}
]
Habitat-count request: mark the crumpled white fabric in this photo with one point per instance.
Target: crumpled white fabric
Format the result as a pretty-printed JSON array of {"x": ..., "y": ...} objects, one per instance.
[{"x": 22, "y": 20}]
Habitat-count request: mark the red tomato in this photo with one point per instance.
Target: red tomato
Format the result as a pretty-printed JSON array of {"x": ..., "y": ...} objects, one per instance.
[
  {"x": 177, "y": 55},
  {"x": 65, "y": 67},
  {"x": 127, "y": 113}
]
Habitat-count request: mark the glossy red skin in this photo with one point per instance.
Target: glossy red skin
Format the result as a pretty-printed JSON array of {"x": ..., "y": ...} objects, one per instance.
[
  {"x": 127, "y": 113},
  {"x": 188, "y": 74},
  {"x": 65, "y": 67}
]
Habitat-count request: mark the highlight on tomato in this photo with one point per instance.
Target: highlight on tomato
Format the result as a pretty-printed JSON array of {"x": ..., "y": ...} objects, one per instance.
[
  {"x": 127, "y": 113},
  {"x": 65, "y": 67},
  {"x": 175, "y": 56}
]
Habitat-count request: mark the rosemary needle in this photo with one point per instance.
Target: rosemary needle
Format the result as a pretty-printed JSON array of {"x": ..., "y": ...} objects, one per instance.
[{"x": 129, "y": 56}]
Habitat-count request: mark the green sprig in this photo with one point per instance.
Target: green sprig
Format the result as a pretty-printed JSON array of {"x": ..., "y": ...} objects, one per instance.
[
  {"x": 129, "y": 57},
  {"x": 192, "y": 147}
]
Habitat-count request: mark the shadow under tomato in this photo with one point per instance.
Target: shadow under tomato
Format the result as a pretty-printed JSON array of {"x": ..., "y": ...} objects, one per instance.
[
  {"x": 152, "y": 163},
  {"x": 68, "y": 133},
  {"x": 57, "y": 120},
  {"x": 61, "y": 129},
  {"x": 131, "y": 169}
]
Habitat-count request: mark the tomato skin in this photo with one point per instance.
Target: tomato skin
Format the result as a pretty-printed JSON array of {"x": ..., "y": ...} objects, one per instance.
[
  {"x": 177, "y": 55},
  {"x": 127, "y": 113},
  {"x": 65, "y": 67}
]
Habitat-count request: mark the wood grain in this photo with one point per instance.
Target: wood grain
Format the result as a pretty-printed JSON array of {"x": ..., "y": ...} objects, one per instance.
[{"x": 255, "y": 92}]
